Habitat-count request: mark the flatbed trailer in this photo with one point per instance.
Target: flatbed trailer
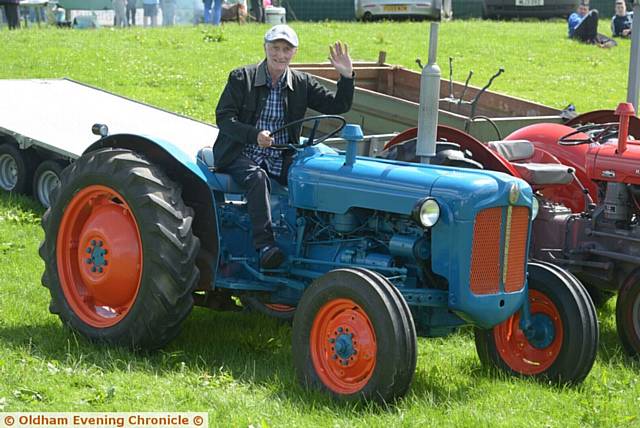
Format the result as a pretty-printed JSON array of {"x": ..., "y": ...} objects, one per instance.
[{"x": 46, "y": 124}]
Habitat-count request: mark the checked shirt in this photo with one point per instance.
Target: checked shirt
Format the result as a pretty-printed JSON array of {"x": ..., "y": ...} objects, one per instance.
[{"x": 271, "y": 118}]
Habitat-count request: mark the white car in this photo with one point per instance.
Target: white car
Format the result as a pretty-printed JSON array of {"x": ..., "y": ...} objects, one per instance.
[{"x": 368, "y": 10}]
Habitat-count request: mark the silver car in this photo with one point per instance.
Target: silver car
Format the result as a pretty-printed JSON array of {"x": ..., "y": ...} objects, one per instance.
[{"x": 368, "y": 10}]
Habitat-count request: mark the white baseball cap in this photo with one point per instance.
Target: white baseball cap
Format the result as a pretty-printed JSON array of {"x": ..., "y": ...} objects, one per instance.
[{"x": 281, "y": 32}]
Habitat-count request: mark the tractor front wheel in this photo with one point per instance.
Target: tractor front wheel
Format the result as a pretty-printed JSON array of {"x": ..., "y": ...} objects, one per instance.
[
  {"x": 561, "y": 343},
  {"x": 354, "y": 337},
  {"x": 119, "y": 251},
  {"x": 628, "y": 314}
]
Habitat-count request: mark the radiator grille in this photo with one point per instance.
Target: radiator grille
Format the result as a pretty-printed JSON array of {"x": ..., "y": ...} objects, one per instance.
[
  {"x": 516, "y": 251},
  {"x": 485, "y": 253},
  {"x": 492, "y": 265}
]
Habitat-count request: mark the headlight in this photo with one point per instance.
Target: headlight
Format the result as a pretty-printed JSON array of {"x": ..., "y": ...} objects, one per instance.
[
  {"x": 427, "y": 212},
  {"x": 534, "y": 208}
]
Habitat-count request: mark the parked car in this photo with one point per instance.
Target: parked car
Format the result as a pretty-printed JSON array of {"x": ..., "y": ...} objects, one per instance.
[
  {"x": 528, "y": 8},
  {"x": 368, "y": 10}
]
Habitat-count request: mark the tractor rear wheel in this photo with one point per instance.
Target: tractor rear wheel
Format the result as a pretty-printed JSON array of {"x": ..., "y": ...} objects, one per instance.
[
  {"x": 119, "y": 251},
  {"x": 628, "y": 314},
  {"x": 561, "y": 345},
  {"x": 354, "y": 337}
]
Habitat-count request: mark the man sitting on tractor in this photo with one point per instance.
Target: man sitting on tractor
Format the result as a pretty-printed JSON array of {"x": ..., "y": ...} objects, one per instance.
[{"x": 257, "y": 100}]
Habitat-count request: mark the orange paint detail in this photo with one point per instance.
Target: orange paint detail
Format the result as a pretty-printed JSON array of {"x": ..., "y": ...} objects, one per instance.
[
  {"x": 343, "y": 317},
  {"x": 516, "y": 259},
  {"x": 278, "y": 307},
  {"x": 514, "y": 348},
  {"x": 485, "y": 253},
  {"x": 99, "y": 256}
]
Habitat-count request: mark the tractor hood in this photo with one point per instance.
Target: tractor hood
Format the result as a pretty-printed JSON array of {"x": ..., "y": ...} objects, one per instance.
[{"x": 319, "y": 180}]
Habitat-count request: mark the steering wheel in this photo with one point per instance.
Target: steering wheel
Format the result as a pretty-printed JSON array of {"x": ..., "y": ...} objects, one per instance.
[
  {"x": 311, "y": 139},
  {"x": 604, "y": 130}
]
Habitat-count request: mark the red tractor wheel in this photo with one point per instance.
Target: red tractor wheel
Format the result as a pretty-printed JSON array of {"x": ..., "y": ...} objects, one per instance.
[
  {"x": 353, "y": 337},
  {"x": 628, "y": 314},
  {"x": 562, "y": 341},
  {"x": 273, "y": 310},
  {"x": 119, "y": 251}
]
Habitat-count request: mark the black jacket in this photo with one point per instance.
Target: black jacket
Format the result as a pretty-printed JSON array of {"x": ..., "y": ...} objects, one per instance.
[{"x": 245, "y": 95}]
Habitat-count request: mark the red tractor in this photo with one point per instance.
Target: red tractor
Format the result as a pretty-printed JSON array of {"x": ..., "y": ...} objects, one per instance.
[{"x": 587, "y": 182}]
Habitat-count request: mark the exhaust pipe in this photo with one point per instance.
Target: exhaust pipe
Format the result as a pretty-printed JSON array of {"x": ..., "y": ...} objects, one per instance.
[{"x": 429, "y": 101}]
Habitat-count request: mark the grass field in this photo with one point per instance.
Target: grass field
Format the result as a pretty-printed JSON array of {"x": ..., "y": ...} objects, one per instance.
[{"x": 238, "y": 366}]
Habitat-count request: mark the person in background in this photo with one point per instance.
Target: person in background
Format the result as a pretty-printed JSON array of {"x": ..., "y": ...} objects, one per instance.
[
  {"x": 621, "y": 21},
  {"x": 12, "y": 11},
  {"x": 583, "y": 24},
  {"x": 212, "y": 16},
  {"x": 257, "y": 10},
  {"x": 119, "y": 9},
  {"x": 150, "y": 12},
  {"x": 168, "y": 12},
  {"x": 130, "y": 14},
  {"x": 257, "y": 100}
]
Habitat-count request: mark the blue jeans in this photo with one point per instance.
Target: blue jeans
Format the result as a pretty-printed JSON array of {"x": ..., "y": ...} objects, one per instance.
[{"x": 217, "y": 12}]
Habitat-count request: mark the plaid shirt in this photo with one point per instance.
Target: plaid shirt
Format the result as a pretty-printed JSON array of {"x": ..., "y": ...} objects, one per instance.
[{"x": 271, "y": 118}]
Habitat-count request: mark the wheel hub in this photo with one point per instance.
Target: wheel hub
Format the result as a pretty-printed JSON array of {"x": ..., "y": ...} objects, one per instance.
[
  {"x": 541, "y": 332},
  {"x": 343, "y": 346},
  {"x": 8, "y": 172},
  {"x": 97, "y": 259}
]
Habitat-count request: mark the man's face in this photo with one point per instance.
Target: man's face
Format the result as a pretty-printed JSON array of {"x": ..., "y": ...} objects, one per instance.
[
  {"x": 621, "y": 9},
  {"x": 279, "y": 55},
  {"x": 583, "y": 10}
]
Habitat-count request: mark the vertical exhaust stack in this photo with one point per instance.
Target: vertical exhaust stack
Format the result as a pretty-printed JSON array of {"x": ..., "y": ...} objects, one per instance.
[
  {"x": 429, "y": 101},
  {"x": 633, "y": 84}
]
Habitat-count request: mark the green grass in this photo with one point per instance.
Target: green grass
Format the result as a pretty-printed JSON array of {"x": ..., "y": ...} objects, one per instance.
[{"x": 237, "y": 366}]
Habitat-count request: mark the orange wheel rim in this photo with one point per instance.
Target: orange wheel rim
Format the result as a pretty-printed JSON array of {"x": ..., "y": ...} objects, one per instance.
[
  {"x": 99, "y": 256},
  {"x": 343, "y": 346},
  {"x": 278, "y": 307},
  {"x": 518, "y": 352}
]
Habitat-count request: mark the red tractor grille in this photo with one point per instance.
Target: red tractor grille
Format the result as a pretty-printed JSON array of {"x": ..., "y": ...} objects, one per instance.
[
  {"x": 489, "y": 265},
  {"x": 485, "y": 254},
  {"x": 516, "y": 250}
]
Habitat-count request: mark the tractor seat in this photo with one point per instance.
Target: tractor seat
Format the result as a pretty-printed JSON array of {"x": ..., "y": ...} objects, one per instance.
[
  {"x": 539, "y": 174},
  {"x": 221, "y": 182},
  {"x": 224, "y": 183}
]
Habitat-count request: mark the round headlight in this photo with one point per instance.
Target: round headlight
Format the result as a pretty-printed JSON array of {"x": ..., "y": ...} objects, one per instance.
[
  {"x": 535, "y": 206},
  {"x": 428, "y": 213}
]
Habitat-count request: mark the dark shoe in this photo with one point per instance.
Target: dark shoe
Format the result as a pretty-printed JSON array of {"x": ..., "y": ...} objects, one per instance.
[{"x": 271, "y": 257}]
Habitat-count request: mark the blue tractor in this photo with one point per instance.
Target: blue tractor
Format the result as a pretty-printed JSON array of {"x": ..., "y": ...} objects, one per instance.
[{"x": 377, "y": 250}]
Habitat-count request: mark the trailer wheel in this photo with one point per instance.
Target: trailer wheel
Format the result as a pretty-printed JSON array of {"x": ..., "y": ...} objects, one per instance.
[
  {"x": 273, "y": 310},
  {"x": 119, "y": 251},
  {"x": 353, "y": 337},
  {"x": 15, "y": 169},
  {"x": 561, "y": 347},
  {"x": 628, "y": 314},
  {"x": 45, "y": 179}
]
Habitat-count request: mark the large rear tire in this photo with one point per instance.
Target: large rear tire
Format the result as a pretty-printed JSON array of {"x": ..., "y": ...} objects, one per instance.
[
  {"x": 119, "y": 251},
  {"x": 353, "y": 337},
  {"x": 563, "y": 346},
  {"x": 628, "y": 314}
]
